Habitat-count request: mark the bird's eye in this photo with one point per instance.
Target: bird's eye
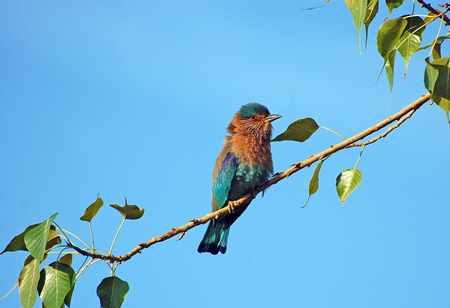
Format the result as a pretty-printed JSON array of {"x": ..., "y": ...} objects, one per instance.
[{"x": 253, "y": 117}]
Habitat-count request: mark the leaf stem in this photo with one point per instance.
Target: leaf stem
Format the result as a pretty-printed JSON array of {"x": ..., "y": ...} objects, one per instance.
[
  {"x": 10, "y": 291},
  {"x": 77, "y": 237},
  {"x": 115, "y": 237},
  {"x": 332, "y": 131},
  {"x": 435, "y": 40},
  {"x": 90, "y": 262},
  {"x": 63, "y": 232},
  {"x": 92, "y": 235},
  {"x": 359, "y": 157}
]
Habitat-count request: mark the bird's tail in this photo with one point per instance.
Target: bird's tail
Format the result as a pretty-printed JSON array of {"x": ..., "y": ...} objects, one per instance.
[{"x": 215, "y": 238}]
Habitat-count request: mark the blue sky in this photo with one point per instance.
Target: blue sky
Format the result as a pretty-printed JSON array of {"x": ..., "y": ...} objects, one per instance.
[{"x": 132, "y": 100}]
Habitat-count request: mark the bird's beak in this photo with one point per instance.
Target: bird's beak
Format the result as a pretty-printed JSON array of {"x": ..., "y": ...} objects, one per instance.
[{"x": 272, "y": 117}]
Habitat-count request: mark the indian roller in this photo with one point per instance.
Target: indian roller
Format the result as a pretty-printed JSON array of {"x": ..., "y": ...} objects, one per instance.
[{"x": 244, "y": 163}]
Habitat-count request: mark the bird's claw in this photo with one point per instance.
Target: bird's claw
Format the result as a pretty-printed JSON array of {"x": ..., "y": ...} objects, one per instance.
[{"x": 231, "y": 205}]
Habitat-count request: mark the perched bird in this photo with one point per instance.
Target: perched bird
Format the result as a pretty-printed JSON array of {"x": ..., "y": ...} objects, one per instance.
[{"x": 244, "y": 163}]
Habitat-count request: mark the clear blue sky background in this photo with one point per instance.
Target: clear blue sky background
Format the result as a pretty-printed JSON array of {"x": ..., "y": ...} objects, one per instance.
[{"x": 132, "y": 100}]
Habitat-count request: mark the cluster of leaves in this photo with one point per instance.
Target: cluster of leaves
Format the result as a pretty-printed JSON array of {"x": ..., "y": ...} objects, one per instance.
[
  {"x": 404, "y": 35},
  {"x": 346, "y": 182},
  {"x": 55, "y": 282}
]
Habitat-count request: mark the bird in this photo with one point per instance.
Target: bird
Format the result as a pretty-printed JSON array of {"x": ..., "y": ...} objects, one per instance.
[{"x": 244, "y": 163}]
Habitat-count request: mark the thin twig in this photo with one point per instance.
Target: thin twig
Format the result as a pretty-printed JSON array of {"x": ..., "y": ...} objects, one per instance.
[
  {"x": 436, "y": 11},
  {"x": 402, "y": 115},
  {"x": 390, "y": 129}
]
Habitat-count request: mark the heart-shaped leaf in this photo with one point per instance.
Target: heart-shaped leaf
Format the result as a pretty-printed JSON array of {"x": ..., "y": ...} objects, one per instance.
[
  {"x": 18, "y": 242},
  {"x": 390, "y": 63},
  {"x": 372, "y": 10},
  {"x": 299, "y": 130},
  {"x": 129, "y": 211},
  {"x": 28, "y": 281},
  {"x": 411, "y": 38},
  {"x": 92, "y": 210},
  {"x": 346, "y": 183},
  {"x": 112, "y": 292},
  {"x": 56, "y": 282},
  {"x": 437, "y": 81},
  {"x": 36, "y": 238},
  {"x": 393, "y": 4},
  {"x": 314, "y": 182},
  {"x": 359, "y": 11},
  {"x": 389, "y": 34}
]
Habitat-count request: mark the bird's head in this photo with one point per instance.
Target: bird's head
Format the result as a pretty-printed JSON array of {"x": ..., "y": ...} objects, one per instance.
[{"x": 253, "y": 118}]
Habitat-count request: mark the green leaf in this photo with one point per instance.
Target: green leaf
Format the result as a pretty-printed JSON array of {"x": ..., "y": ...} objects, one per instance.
[
  {"x": 430, "y": 17},
  {"x": 112, "y": 292},
  {"x": 393, "y": 4},
  {"x": 372, "y": 10},
  {"x": 92, "y": 210},
  {"x": 52, "y": 234},
  {"x": 442, "y": 85},
  {"x": 358, "y": 10},
  {"x": 314, "y": 182},
  {"x": 349, "y": 4},
  {"x": 411, "y": 38},
  {"x": 18, "y": 243},
  {"x": 346, "y": 183},
  {"x": 28, "y": 281},
  {"x": 36, "y": 238},
  {"x": 28, "y": 260},
  {"x": 436, "y": 51},
  {"x": 52, "y": 240},
  {"x": 389, "y": 34},
  {"x": 444, "y": 104},
  {"x": 129, "y": 211},
  {"x": 390, "y": 68},
  {"x": 68, "y": 297},
  {"x": 387, "y": 38},
  {"x": 66, "y": 259},
  {"x": 431, "y": 74},
  {"x": 56, "y": 280},
  {"x": 440, "y": 92},
  {"x": 299, "y": 130}
]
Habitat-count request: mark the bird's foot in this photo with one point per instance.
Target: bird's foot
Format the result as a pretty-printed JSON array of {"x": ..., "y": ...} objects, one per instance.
[{"x": 231, "y": 205}]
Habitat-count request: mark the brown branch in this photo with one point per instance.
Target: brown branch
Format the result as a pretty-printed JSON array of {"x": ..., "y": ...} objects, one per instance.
[
  {"x": 154, "y": 240},
  {"x": 390, "y": 129},
  {"x": 400, "y": 116},
  {"x": 436, "y": 11}
]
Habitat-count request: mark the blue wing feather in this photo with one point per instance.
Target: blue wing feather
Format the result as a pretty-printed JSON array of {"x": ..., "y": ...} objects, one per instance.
[
  {"x": 216, "y": 235},
  {"x": 224, "y": 178}
]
